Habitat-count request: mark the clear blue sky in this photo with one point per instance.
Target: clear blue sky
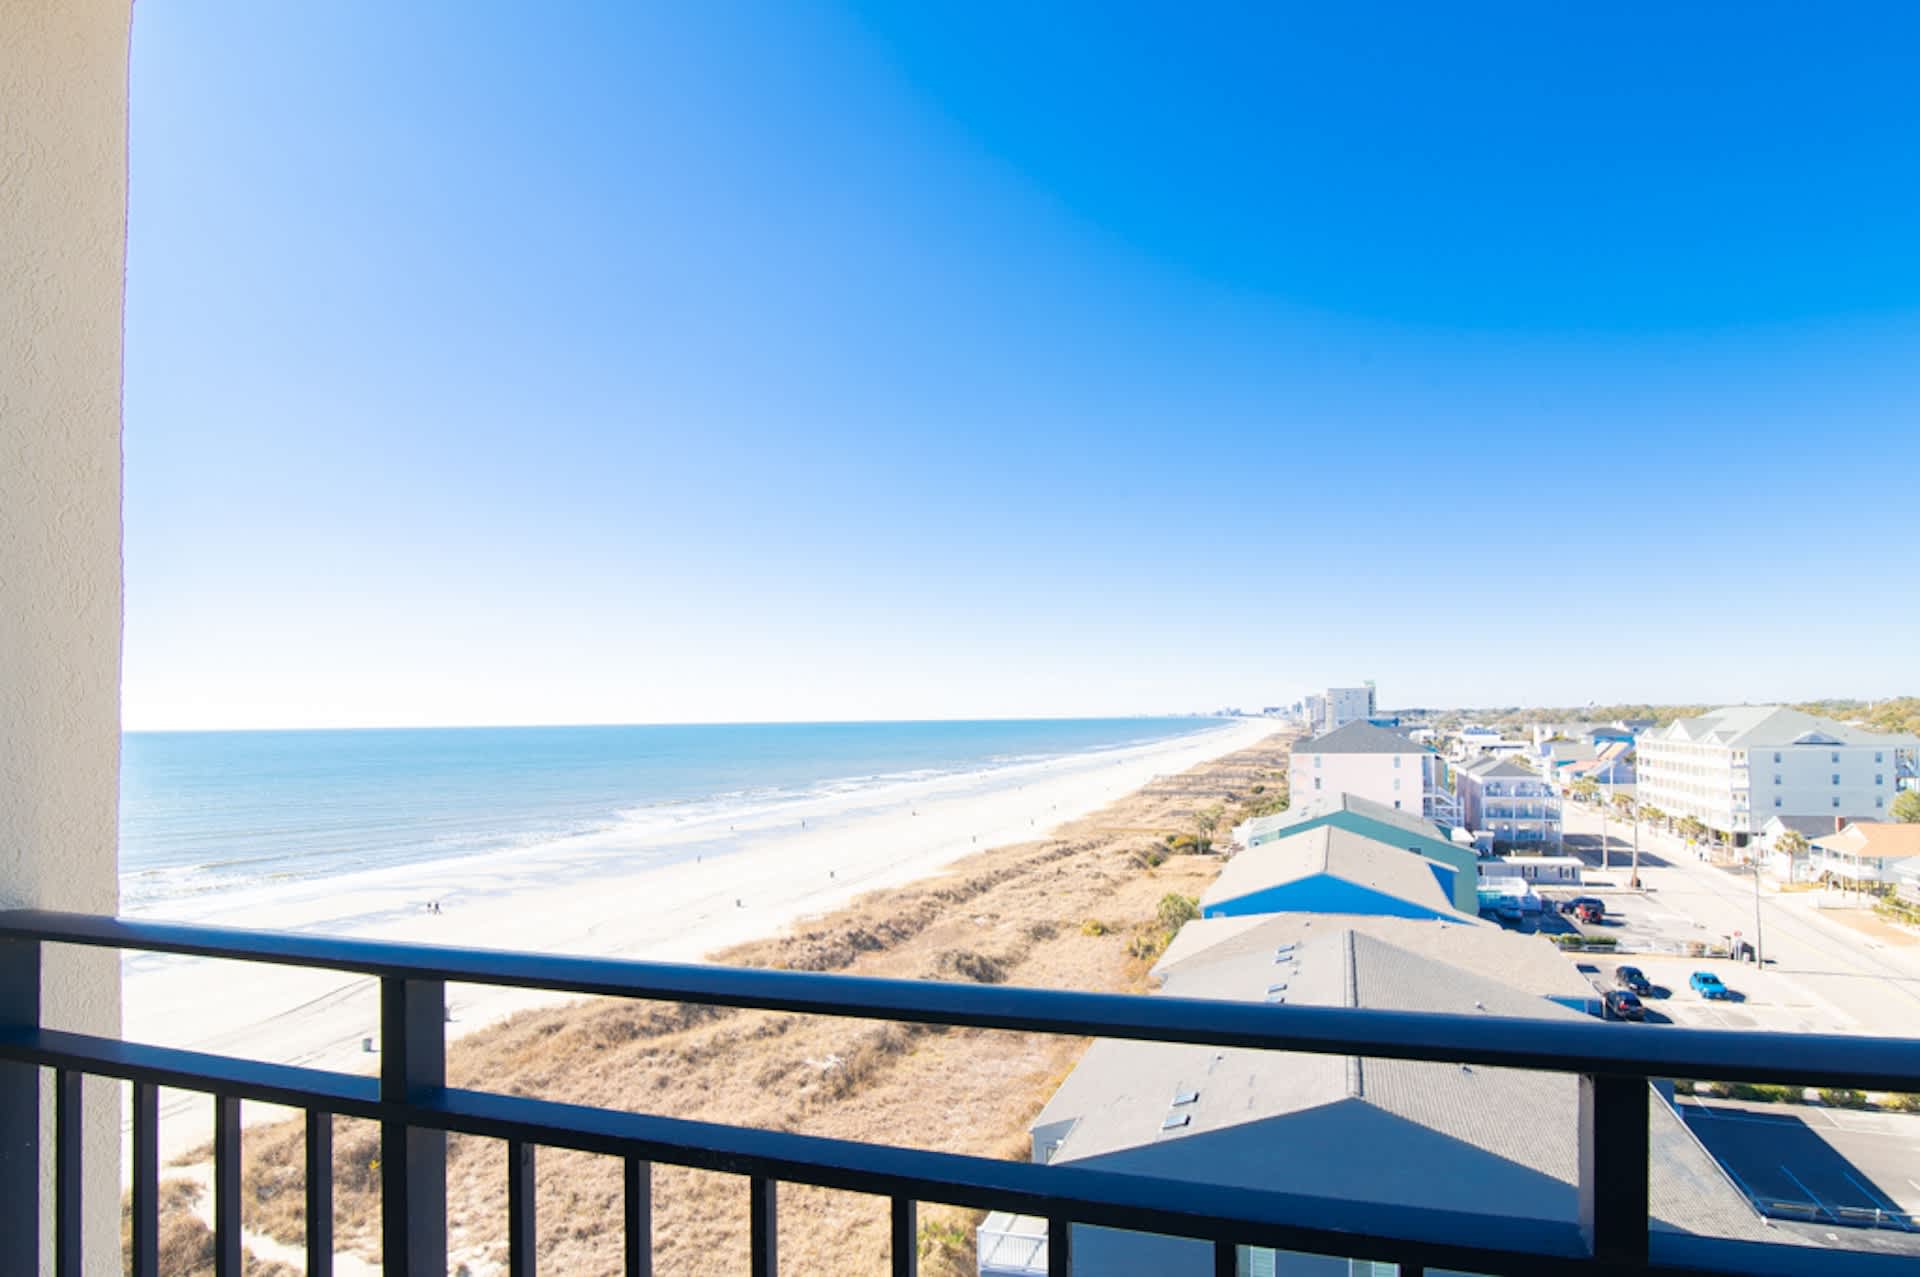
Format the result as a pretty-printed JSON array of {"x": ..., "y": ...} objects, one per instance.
[{"x": 517, "y": 363}]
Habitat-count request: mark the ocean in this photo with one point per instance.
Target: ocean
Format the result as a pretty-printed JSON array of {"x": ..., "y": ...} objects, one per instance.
[{"x": 205, "y": 812}]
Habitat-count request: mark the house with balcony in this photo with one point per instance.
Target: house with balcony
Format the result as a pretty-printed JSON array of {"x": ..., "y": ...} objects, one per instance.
[
  {"x": 1510, "y": 801},
  {"x": 1865, "y": 854},
  {"x": 1736, "y": 768},
  {"x": 1363, "y": 816},
  {"x": 1345, "y": 1130},
  {"x": 1376, "y": 763}
]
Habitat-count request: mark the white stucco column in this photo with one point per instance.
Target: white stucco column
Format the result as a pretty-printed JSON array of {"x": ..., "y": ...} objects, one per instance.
[{"x": 63, "y": 142}]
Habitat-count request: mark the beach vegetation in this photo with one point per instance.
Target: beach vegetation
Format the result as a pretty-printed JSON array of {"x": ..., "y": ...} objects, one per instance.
[
  {"x": 1906, "y": 807},
  {"x": 1842, "y": 1097},
  {"x": 1093, "y": 927},
  {"x": 1176, "y": 910}
]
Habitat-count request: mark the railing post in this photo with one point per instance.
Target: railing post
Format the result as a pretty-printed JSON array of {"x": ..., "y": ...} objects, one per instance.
[
  {"x": 764, "y": 1259},
  {"x": 20, "y": 1100},
  {"x": 1613, "y": 1166},
  {"x": 413, "y": 1160},
  {"x": 319, "y": 1194},
  {"x": 1059, "y": 1247},
  {"x": 906, "y": 1238},
  {"x": 227, "y": 1258},
  {"x": 146, "y": 1181},
  {"x": 639, "y": 1217},
  {"x": 523, "y": 1217},
  {"x": 67, "y": 1138}
]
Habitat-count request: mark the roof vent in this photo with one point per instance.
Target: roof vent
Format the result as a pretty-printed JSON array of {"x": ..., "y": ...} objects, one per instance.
[
  {"x": 1185, "y": 1097},
  {"x": 1174, "y": 1121},
  {"x": 1277, "y": 988}
]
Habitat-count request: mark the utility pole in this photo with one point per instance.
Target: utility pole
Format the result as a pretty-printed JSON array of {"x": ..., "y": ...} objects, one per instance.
[{"x": 1759, "y": 942}]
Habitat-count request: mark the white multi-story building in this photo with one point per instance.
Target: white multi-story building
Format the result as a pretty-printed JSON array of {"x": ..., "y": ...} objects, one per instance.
[
  {"x": 1734, "y": 769},
  {"x": 1511, "y": 801},
  {"x": 1378, "y": 764},
  {"x": 1338, "y": 706}
]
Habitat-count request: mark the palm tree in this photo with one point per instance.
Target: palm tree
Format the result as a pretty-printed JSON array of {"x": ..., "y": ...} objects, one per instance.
[
  {"x": 1691, "y": 829},
  {"x": 1585, "y": 788},
  {"x": 1793, "y": 844}
]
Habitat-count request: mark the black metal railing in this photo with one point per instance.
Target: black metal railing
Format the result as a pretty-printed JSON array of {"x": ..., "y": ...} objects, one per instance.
[{"x": 416, "y": 1110}]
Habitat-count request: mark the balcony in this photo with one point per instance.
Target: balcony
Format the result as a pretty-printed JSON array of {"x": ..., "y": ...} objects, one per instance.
[{"x": 417, "y": 1111}]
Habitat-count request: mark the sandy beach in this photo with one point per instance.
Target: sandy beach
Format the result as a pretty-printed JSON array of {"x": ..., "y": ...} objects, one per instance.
[{"x": 731, "y": 885}]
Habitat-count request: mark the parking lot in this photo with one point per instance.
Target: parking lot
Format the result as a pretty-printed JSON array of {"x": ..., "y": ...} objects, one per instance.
[
  {"x": 1818, "y": 1165},
  {"x": 1653, "y": 938}
]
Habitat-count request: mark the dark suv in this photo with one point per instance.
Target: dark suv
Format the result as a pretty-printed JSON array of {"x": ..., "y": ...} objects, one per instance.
[
  {"x": 1623, "y": 1004},
  {"x": 1633, "y": 978},
  {"x": 1597, "y": 905}
]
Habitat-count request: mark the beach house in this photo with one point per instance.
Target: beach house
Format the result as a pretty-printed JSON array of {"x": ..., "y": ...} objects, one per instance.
[
  {"x": 1332, "y": 870},
  {"x": 1373, "y": 820},
  {"x": 1510, "y": 801}
]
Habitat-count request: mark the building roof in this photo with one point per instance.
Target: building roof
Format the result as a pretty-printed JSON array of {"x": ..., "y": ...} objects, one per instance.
[
  {"x": 1491, "y": 765},
  {"x": 1361, "y": 737},
  {"x": 1873, "y": 840},
  {"x": 1811, "y": 826},
  {"x": 1354, "y": 804},
  {"x": 1530, "y": 963},
  {"x": 1337, "y": 853},
  {"x": 1772, "y": 726},
  {"x": 1485, "y": 1140}
]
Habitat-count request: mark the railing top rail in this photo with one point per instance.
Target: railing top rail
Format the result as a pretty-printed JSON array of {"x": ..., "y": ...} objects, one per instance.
[{"x": 1568, "y": 1046}]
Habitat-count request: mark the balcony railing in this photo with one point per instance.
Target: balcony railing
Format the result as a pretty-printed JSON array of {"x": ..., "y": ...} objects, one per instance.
[{"x": 416, "y": 1110}]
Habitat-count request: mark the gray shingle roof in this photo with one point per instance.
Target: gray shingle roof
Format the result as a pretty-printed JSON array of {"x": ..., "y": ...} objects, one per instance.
[
  {"x": 1361, "y": 737},
  {"x": 1492, "y": 766},
  {"x": 1500, "y": 1142},
  {"x": 1337, "y": 853},
  {"x": 1771, "y": 726}
]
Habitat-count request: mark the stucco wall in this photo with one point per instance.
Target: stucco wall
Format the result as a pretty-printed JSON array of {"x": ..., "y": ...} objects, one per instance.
[{"x": 63, "y": 104}]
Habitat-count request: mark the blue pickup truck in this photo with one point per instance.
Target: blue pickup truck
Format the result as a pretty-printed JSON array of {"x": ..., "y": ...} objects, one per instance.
[{"x": 1707, "y": 985}]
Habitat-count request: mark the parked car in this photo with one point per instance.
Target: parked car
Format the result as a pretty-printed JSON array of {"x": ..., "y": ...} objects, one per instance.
[
  {"x": 1623, "y": 1004},
  {"x": 1633, "y": 978},
  {"x": 1590, "y": 913},
  {"x": 1578, "y": 903},
  {"x": 1707, "y": 985}
]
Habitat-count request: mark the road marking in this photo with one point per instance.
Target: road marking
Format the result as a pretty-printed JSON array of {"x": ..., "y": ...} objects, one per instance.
[{"x": 1879, "y": 1201}]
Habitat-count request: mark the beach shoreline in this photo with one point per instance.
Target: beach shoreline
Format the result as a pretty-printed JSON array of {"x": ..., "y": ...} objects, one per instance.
[{"x": 724, "y": 887}]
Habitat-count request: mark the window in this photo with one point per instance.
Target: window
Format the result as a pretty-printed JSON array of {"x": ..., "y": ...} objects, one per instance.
[
  {"x": 1836, "y": 802},
  {"x": 1316, "y": 782},
  {"x": 1877, "y": 758},
  {"x": 1776, "y": 802},
  {"x": 1396, "y": 804},
  {"x": 1776, "y": 756},
  {"x": 1879, "y": 802},
  {"x": 1836, "y": 778},
  {"x": 1396, "y": 761},
  {"x": 1836, "y": 756},
  {"x": 1316, "y": 762},
  {"x": 1776, "y": 778},
  {"x": 1396, "y": 784},
  {"x": 1880, "y": 778}
]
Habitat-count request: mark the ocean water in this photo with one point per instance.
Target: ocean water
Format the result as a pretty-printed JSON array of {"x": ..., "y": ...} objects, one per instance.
[{"x": 208, "y": 812}]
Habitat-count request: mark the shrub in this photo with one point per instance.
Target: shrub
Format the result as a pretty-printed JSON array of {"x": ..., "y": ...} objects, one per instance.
[
  {"x": 1905, "y": 1101},
  {"x": 1843, "y": 1098},
  {"x": 1093, "y": 927},
  {"x": 1177, "y": 910},
  {"x": 1147, "y": 944},
  {"x": 1761, "y": 1092}
]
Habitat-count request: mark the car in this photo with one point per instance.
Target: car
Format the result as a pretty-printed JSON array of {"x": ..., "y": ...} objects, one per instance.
[
  {"x": 1623, "y": 1004},
  {"x": 1633, "y": 978},
  {"x": 1578, "y": 903},
  {"x": 1707, "y": 985},
  {"x": 1589, "y": 914}
]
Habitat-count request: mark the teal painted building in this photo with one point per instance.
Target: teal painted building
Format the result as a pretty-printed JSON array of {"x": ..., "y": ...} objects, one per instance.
[{"x": 1380, "y": 823}]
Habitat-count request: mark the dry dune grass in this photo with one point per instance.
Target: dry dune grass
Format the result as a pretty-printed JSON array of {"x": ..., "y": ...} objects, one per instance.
[{"x": 1017, "y": 914}]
